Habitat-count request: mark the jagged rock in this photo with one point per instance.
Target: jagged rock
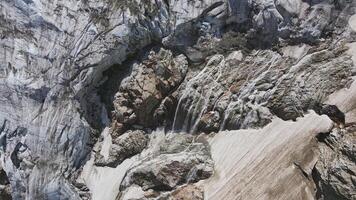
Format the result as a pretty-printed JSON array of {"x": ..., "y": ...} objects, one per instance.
[
  {"x": 331, "y": 111},
  {"x": 209, "y": 122},
  {"x": 175, "y": 143},
  {"x": 166, "y": 110},
  {"x": 310, "y": 82},
  {"x": 210, "y": 21},
  {"x": 5, "y": 190},
  {"x": 187, "y": 192},
  {"x": 335, "y": 172},
  {"x": 125, "y": 146},
  {"x": 56, "y": 55},
  {"x": 53, "y": 56},
  {"x": 150, "y": 82},
  {"x": 181, "y": 161},
  {"x": 221, "y": 97}
]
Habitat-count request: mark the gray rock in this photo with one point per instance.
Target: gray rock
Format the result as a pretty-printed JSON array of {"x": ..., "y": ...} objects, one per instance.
[
  {"x": 54, "y": 55},
  {"x": 150, "y": 82},
  {"x": 125, "y": 146},
  {"x": 5, "y": 190},
  {"x": 180, "y": 161},
  {"x": 335, "y": 172}
]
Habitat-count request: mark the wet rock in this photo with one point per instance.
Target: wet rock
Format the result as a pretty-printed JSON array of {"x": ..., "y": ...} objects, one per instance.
[
  {"x": 175, "y": 143},
  {"x": 167, "y": 172},
  {"x": 240, "y": 91},
  {"x": 165, "y": 112},
  {"x": 309, "y": 83},
  {"x": 209, "y": 122},
  {"x": 54, "y": 55}
]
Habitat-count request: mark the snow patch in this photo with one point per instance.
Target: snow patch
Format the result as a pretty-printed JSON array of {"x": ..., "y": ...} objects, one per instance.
[
  {"x": 133, "y": 192},
  {"x": 352, "y": 22},
  {"x": 104, "y": 182},
  {"x": 267, "y": 156},
  {"x": 296, "y": 52}
]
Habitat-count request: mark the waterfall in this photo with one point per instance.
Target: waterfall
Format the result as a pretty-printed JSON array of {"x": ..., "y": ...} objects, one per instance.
[
  {"x": 196, "y": 96},
  {"x": 247, "y": 89}
]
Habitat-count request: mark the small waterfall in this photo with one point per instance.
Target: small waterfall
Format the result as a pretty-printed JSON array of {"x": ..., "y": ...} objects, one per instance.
[
  {"x": 196, "y": 97},
  {"x": 247, "y": 89},
  {"x": 227, "y": 113},
  {"x": 205, "y": 105}
]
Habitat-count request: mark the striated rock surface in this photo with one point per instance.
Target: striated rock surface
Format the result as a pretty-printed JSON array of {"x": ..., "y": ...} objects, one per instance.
[{"x": 131, "y": 99}]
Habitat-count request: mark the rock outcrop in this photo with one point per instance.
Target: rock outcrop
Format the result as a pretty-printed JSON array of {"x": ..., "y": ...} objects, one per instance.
[
  {"x": 335, "y": 172},
  {"x": 125, "y": 146},
  {"x": 158, "y": 79},
  {"x": 142, "y": 92}
]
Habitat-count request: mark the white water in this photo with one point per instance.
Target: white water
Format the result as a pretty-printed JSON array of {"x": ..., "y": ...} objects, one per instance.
[
  {"x": 247, "y": 89},
  {"x": 243, "y": 159}
]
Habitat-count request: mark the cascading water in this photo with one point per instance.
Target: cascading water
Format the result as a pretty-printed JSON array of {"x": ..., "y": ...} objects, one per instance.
[
  {"x": 197, "y": 97},
  {"x": 236, "y": 102}
]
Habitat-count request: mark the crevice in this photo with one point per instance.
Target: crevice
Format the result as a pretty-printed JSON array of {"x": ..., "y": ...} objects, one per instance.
[{"x": 305, "y": 174}]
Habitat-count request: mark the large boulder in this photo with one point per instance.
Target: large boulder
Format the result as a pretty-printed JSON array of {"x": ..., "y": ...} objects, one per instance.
[
  {"x": 125, "y": 146},
  {"x": 150, "y": 82},
  {"x": 180, "y": 161}
]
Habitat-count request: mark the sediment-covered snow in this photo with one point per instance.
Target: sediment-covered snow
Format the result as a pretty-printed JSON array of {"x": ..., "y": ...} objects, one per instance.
[{"x": 261, "y": 164}]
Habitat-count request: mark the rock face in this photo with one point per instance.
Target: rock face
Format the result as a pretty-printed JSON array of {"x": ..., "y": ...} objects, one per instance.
[
  {"x": 5, "y": 191},
  {"x": 157, "y": 79},
  {"x": 150, "y": 82},
  {"x": 123, "y": 147},
  {"x": 335, "y": 172},
  {"x": 168, "y": 171}
]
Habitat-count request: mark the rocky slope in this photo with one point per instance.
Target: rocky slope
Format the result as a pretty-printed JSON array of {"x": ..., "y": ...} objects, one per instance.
[{"x": 174, "y": 99}]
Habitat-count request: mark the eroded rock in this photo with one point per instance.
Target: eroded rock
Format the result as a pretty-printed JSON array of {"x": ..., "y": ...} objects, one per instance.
[
  {"x": 180, "y": 160},
  {"x": 335, "y": 172},
  {"x": 125, "y": 146},
  {"x": 150, "y": 82}
]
